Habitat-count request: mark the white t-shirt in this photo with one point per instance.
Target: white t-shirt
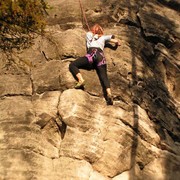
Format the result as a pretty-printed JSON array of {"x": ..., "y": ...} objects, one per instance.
[{"x": 93, "y": 40}]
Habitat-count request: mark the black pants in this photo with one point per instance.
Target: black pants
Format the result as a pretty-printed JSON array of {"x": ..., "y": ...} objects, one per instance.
[{"x": 83, "y": 63}]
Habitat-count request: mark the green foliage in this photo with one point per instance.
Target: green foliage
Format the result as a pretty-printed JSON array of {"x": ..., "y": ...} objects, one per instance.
[{"x": 18, "y": 18}]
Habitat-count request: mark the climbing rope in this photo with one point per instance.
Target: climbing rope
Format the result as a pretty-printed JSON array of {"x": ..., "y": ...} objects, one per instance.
[{"x": 84, "y": 15}]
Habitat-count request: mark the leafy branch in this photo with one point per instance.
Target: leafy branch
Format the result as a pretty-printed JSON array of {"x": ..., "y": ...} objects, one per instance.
[{"x": 18, "y": 20}]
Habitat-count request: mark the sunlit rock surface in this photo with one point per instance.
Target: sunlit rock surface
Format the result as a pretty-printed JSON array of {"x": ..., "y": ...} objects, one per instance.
[{"x": 50, "y": 131}]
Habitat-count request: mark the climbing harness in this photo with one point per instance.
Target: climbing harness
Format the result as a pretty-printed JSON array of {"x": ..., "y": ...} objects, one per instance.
[
  {"x": 96, "y": 57},
  {"x": 91, "y": 56},
  {"x": 84, "y": 15}
]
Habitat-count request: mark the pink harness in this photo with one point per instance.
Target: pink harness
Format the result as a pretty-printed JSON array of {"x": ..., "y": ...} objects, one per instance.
[{"x": 92, "y": 58}]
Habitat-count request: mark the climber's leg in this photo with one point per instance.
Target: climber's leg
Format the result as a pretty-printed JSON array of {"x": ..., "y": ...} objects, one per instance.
[
  {"x": 103, "y": 77},
  {"x": 80, "y": 63}
]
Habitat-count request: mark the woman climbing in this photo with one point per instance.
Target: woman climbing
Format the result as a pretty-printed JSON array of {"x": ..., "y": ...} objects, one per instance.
[{"x": 94, "y": 59}]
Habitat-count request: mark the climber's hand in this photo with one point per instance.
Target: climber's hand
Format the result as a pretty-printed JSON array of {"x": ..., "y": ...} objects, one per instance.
[{"x": 118, "y": 43}]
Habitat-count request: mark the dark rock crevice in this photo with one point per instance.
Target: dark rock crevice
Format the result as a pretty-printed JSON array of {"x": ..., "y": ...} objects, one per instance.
[
  {"x": 174, "y": 4},
  {"x": 32, "y": 84}
]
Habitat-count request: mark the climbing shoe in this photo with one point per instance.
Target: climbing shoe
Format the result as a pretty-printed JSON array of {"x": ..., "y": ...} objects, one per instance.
[
  {"x": 109, "y": 100},
  {"x": 80, "y": 85}
]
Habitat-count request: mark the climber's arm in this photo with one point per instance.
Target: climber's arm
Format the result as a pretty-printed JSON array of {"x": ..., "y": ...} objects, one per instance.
[{"x": 114, "y": 40}]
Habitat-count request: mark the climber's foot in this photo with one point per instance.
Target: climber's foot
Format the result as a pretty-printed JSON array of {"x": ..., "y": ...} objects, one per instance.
[
  {"x": 109, "y": 100},
  {"x": 80, "y": 85}
]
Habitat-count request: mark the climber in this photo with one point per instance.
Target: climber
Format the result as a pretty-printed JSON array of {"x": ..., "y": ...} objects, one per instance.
[{"x": 94, "y": 59}]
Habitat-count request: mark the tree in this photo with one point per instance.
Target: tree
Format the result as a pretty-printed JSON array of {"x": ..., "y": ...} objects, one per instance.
[{"x": 18, "y": 19}]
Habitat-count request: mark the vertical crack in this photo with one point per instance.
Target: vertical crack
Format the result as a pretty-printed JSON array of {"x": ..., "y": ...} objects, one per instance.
[
  {"x": 59, "y": 121},
  {"x": 32, "y": 83}
]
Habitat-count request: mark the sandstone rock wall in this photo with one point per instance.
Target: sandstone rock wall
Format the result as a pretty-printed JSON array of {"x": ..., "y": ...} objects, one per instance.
[{"x": 50, "y": 131}]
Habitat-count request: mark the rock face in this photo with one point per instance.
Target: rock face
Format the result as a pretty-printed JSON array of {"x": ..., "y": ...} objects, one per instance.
[{"x": 50, "y": 131}]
